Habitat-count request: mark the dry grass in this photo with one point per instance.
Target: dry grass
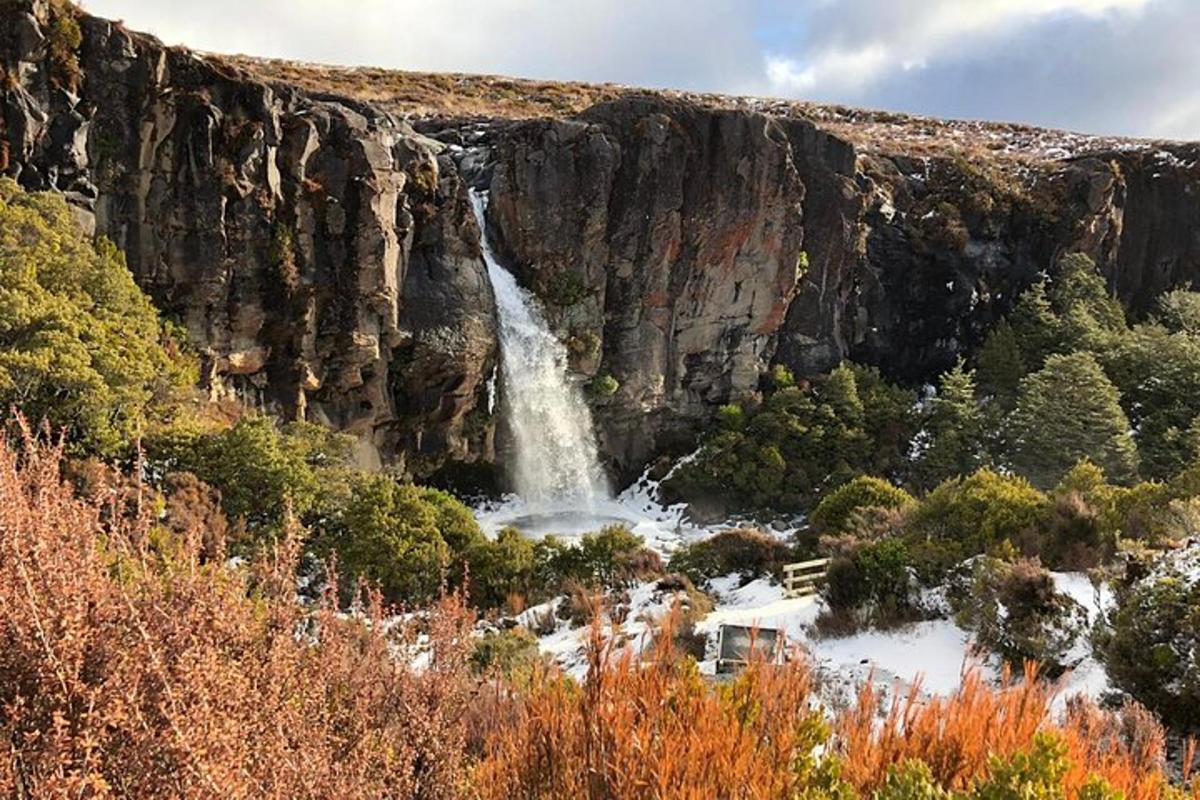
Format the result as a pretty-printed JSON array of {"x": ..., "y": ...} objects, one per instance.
[
  {"x": 654, "y": 729},
  {"x": 457, "y": 95}
]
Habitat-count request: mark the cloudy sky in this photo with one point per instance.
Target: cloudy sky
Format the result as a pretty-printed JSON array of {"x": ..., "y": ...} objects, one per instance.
[{"x": 1103, "y": 66}]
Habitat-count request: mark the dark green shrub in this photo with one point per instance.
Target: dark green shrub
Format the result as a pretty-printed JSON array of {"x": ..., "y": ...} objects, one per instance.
[
  {"x": 837, "y": 510},
  {"x": 511, "y": 653},
  {"x": 503, "y": 570},
  {"x": 874, "y": 579},
  {"x": 801, "y": 442},
  {"x": 1151, "y": 646},
  {"x": 395, "y": 535},
  {"x": 731, "y": 417},
  {"x": 262, "y": 469},
  {"x": 1016, "y": 612},
  {"x": 746, "y": 552},
  {"x": 612, "y": 558}
]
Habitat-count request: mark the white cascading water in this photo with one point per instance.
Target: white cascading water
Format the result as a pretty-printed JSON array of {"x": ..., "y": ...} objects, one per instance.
[{"x": 554, "y": 464}]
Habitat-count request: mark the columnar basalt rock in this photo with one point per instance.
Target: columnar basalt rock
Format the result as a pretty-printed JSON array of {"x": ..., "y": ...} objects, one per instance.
[
  {"x": 668, "y": 238},
  {"x": 321, "y": 253}
]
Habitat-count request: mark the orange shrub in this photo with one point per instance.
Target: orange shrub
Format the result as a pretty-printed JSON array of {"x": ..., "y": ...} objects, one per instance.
[
  {"x": 131, "y": 669},
  {"x": 654, "y": 729},
  {"x": 958, "y": 736}
]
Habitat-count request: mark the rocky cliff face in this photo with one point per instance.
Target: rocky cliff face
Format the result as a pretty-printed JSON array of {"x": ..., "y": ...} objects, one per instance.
[
  {"x": 321, "y": 253},
  {"x": 668, "y": 241}
]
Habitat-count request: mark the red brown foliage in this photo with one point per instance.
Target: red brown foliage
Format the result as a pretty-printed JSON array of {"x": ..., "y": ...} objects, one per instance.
[
  {"x": 957, "y": 736},
  {"x": 132, "y": 669}
]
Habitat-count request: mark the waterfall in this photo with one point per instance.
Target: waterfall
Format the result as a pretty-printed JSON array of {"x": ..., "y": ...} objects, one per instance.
[{"x": 554, "y": 463}]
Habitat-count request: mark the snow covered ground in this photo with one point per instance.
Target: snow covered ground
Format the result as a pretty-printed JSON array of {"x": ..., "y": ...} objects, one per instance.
[{"x": 935, "y": 652}]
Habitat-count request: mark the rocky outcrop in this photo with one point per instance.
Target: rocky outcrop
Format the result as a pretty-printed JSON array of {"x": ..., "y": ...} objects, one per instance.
[
  {"x": 322, "y": 256},
  {"x": 667, "y": 241},
  {"x": 668, "y": 236}
]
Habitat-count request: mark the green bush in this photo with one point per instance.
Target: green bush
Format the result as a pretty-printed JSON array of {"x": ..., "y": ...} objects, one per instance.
[
  {"x": 978, "y": 511},
  {"x": 603, "y": 386},
  {"x": 1150, "y": 649},
  {"x": 1035, "y": 775},
  {"x": 731, "y": 417},
  {"x": 874, "y": 578},
  {"x": 398, "y": 536},
  {"x": 837, "y": 510},
  {"x": 614, "y": 557},
  {"x": 80, "y": 344},
  {"x": 511, "y": 653},
  {"x": 746, "y": 552},
  {"x": 911, "y": 780},
  {"x": 502, "y": 569},
  {"x": 262, "y": 469},
  {"x": 781, "y": 377}
]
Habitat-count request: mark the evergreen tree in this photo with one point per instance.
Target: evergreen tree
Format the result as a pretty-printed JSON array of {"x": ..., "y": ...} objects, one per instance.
[
  {"x": 954, "y": 426},
  {"x": 1073, "y": 311},
  {"x": 1000, "y": 365},
  {"x": 1067, "y": 411},
  {"x": 1179, "y": 311},
  {"x": 1158, "y": 373}
]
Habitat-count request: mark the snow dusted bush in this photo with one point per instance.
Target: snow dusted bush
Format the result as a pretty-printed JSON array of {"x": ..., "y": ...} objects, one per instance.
[
  {"x": 745, "y": 551},
  {"x": 1016, "y": 611},
  {"x": 1153, "y": 647}
]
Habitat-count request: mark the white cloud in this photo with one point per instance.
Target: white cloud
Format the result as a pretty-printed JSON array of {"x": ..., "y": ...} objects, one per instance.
[
  {"x": 858, "y": 43},
  {"x": 1109, "y": 66}
]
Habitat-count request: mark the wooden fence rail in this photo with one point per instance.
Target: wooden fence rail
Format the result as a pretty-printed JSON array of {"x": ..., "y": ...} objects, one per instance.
[{"x": 804, "y": 578}]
